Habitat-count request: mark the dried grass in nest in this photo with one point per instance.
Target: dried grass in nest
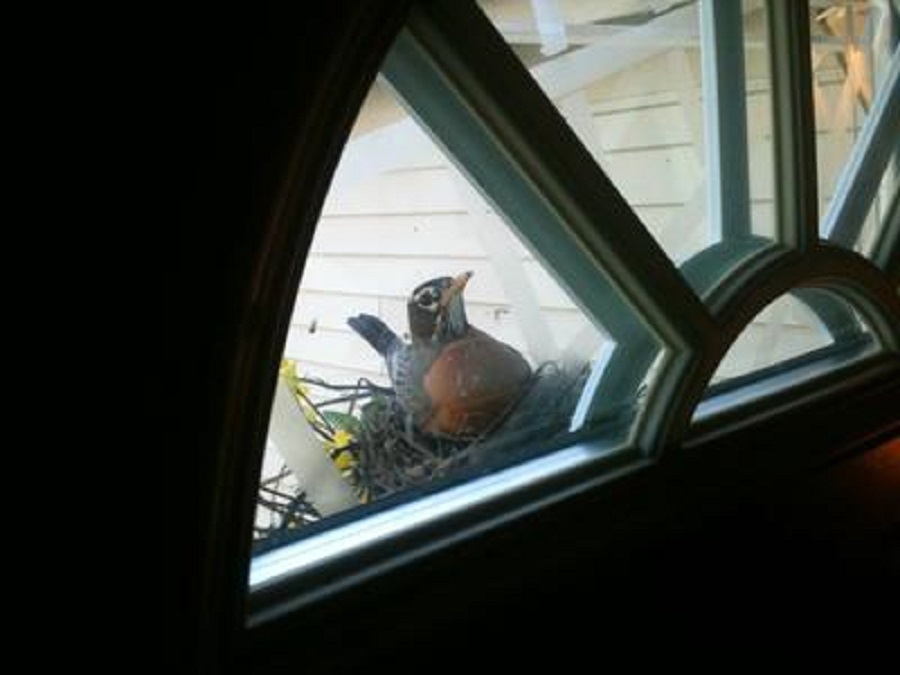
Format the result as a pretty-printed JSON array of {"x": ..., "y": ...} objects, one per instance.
[{"x": 287, "y": 508}]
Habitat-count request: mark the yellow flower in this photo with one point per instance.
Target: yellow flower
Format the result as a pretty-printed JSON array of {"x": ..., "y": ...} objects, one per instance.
[
  {"x": 344, "y": 461},
  {"x": 342, "y": 438},
  {"x": 288, "y": 370}
]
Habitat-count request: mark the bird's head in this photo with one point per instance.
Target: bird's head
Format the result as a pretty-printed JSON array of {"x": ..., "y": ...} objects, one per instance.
[{"x": 436, "y": 309}]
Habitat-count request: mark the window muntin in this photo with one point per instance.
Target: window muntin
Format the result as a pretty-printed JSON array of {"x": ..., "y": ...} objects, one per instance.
[
  {"x": 678, "y": 345},
  {"x": 876, "y": 220}
]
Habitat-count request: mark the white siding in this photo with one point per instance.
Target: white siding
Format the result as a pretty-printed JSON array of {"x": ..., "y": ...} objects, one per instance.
[{"x": 396, "y": 216}]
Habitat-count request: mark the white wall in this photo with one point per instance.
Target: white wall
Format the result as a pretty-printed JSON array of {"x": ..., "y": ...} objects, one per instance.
[{"x": 398, "y": 214}]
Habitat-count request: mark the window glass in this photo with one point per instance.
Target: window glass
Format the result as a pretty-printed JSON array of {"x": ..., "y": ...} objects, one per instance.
[
  {"x": 801, "y": 328},
  {"x": 427, "y": 342},
  {"x": 636, "y": 81},
  {"x": 783, "y": 330},
  {"x": 455, "y": 321},
  {"x": 852, "y": 47}
]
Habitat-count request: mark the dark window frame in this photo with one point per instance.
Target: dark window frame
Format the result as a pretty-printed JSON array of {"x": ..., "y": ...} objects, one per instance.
[{"x": 356, "y": 56}]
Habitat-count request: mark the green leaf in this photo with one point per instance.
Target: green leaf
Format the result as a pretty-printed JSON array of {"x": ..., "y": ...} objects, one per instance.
[
  {"x": 341, "y": 420},
  {"x": 373, "y": 410}
]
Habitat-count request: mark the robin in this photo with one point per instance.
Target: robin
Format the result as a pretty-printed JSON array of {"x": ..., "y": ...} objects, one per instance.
[{"x": 451, "y": 378}]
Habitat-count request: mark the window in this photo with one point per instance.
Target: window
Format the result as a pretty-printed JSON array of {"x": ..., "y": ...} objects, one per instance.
[
  {"x": 399, "y": 214},
  {"x": 627, "y": 205},
  {"x": 640, "y": 88},
  {"x": 853, "y": 45}
]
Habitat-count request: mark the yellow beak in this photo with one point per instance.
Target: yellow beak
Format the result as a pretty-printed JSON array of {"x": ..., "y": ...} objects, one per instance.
[{"x": 456, "y": 287}]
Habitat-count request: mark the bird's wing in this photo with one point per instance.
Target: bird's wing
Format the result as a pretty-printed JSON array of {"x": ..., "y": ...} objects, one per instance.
[{"x": 407, "y": 366}]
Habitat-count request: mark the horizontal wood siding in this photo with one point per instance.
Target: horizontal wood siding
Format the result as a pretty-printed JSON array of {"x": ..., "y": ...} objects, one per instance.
[{"x": 396, "y": 216}]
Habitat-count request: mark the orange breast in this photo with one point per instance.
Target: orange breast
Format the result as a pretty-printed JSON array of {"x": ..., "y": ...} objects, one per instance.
[{"x": 472, "y": 383}]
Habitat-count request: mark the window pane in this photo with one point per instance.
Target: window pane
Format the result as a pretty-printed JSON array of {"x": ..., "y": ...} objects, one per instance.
[
  {"x": 637, "y": 82},
  {"x": 783, "y": 330},
  {"x": 428, "y": 343},
  {"x": 797, "y": 336},
  {"x": 853, "y": 44}
]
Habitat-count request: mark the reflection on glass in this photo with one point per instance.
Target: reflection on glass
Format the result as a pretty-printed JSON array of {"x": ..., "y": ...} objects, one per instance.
[
  {"x": 633, "y": 78},
  {"x": 852, "y": 46},
  {"x": 427, "y": 341}
]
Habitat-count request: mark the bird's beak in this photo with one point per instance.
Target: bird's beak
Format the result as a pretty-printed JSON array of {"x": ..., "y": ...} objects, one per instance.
[{"x": 456, "y": 287}]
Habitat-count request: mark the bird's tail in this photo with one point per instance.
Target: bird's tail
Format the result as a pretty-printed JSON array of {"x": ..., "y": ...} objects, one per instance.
[{"x": 376, "y": 332}]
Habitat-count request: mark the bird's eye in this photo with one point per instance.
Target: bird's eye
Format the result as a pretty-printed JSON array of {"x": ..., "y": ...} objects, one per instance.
[{"x": 427, "y": 298}]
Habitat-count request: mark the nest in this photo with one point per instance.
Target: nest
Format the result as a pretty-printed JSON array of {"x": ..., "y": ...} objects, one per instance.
[
  {"x": 283, "y": 508},
  {"x": 380, "y": 452}
]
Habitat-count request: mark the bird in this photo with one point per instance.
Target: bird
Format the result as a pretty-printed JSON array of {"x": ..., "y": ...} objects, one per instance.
[{"x": 451, "y": 378}]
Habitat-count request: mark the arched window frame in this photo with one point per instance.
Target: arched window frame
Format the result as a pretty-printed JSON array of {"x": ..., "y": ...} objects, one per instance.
[{"x": 696, "y": 321}]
